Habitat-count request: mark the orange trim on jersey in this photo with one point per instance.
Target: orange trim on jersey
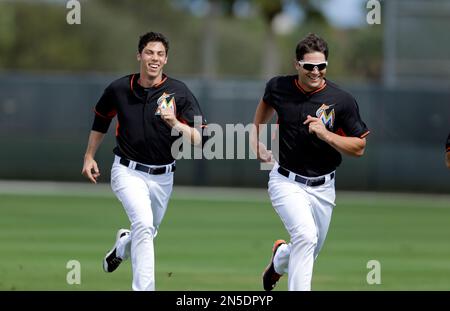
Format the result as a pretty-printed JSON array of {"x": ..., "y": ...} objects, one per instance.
[
  {"x": 117, "y": 128},
  {"x": 309, "y": 93},
  {"x": 341, "y": 132},
  {"x": 109, "y": 116},
  {"x": 131, "y": 82},
  {"x": 162, "y": 81},
  {"x": 298, "y": 86},
  {"x": 182, "y": 120},
  {"x": 365, "y": 134},
  {"x": 156, "y": 85},
  {"x": 319, "y": 89}
]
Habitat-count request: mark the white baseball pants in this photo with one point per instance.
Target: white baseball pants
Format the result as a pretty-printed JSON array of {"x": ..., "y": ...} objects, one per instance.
[
  {"x": 144, "y": 198},
  {"x": 306, "y": 214}
]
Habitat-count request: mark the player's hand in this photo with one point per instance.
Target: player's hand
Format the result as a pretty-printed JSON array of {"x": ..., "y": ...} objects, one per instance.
[
  {"x": 316, "y": 126},
  {"x": 90, "y": 170},
  {"x": 263, "y": 154},
  {"x": 168, "y": 115}
]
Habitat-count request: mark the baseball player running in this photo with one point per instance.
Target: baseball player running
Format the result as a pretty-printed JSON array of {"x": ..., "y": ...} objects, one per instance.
[
  {"x": 317, "y": 122},
  {"x": 149, "y": 106}
]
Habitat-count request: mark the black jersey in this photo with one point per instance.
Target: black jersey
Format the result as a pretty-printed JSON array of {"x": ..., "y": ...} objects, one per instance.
[
  {"x": 300, "y": 151},
  {"x": 141, "y": 134}
]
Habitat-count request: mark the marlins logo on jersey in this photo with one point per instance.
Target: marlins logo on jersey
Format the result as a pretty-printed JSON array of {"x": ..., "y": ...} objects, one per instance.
[
  {"x": 163, "y": 103},
  {"x": 326, "y": 116}
]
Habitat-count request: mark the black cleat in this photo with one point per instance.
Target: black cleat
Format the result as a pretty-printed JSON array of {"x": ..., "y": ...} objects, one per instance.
[
  {"x": 270, "y": 277},
  {"x": 111, "y": 260}
]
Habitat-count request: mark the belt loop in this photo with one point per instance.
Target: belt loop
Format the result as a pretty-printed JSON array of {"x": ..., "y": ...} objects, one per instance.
[{"x": 291, "y": 176}]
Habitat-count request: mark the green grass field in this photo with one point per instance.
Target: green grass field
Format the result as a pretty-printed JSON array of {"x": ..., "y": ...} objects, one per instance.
[{"x": 222, "y": 242}]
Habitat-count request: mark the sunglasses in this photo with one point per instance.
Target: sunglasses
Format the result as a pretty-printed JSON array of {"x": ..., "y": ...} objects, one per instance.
[{"x": 311, "y": 66}]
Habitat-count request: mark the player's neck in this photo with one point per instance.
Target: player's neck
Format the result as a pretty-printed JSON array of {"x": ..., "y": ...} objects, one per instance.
[
  {"x": 147, "y": 82},
  {"x": 308, "y": 89}
]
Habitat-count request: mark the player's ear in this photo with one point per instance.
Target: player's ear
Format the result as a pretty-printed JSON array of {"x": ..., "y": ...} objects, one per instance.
[
  {"x": 296, "y": 64},
  {"x": 165, "y": 61},
  {"x": 138, "y": 56}
]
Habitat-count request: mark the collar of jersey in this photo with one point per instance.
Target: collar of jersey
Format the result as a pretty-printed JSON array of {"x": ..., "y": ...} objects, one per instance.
[
  {"x": 297, "y": 84},
  {"x": 134, "y": 82}
]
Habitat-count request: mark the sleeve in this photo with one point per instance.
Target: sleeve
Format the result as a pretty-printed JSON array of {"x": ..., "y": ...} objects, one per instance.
[
  {"x": 105, "y": 111},
  {"x": 268, "y": 93},
  {"x": 190, "y": 113},
  {"x": 351, "y": 123}
]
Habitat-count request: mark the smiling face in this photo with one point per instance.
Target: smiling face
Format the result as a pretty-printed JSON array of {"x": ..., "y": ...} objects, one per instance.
[
  {"x": 311, "y": 80},
  {"x": 153, "y": 58}
]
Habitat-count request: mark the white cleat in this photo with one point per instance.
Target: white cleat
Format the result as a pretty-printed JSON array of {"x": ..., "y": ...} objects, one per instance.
[{"x": 111, "y": 260}]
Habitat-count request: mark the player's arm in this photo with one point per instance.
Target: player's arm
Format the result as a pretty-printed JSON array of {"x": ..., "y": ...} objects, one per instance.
[
  {"x": 191, "y": 133},
  {"x": 105, "y": 111},
  {"x": 353, "y": 146},
  {"x": 263, "y": 114},
  {"x": 90, "y": 167}
]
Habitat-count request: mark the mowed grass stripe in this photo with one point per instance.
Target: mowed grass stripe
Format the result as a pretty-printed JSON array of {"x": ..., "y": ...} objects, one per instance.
[{"x": 222, "y": 244}]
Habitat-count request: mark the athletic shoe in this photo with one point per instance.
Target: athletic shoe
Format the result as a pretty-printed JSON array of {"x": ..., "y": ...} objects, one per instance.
[
  {"x": 270, "y": 277},
  {"x": 111, "y": 260}
]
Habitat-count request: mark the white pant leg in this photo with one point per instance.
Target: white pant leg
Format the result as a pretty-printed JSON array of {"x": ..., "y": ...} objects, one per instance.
[
  {"x": 145, "y": 199},
  {"x": 160, "y": 190},
  {"x": 291, "y": 203},
  {"x": 323, "y": 201},
  {"x": 159, "y": 196},
  {"x": 306, "y": 214}
]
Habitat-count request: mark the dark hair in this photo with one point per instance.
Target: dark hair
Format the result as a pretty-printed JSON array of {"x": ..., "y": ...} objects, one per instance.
[
  {"x": 311, "y": 43},
  {"x": 153, "y": 37}
]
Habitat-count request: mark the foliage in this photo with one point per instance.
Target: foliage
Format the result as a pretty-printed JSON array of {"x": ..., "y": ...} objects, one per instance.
[{"x": 36, "y": 37}]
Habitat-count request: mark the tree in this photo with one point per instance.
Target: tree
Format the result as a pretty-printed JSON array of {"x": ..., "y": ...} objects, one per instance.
[
  {"x": 271, "y": 56},
  {"x": 209, "y": 44}
]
